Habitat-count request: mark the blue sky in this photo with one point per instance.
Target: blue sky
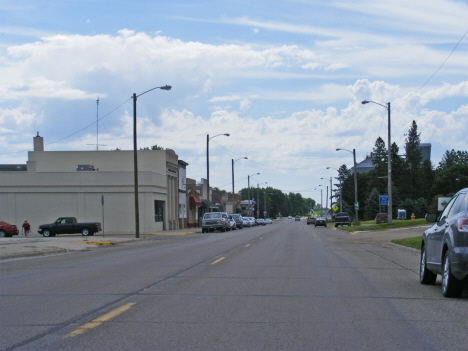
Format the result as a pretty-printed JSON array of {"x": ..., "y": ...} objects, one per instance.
[{"x": 284, "y": 78}]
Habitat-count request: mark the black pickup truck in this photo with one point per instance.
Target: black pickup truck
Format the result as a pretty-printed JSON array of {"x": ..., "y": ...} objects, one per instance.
[
  {"x": 342, "y": 218},
  {"x": 68, "y": 225}
]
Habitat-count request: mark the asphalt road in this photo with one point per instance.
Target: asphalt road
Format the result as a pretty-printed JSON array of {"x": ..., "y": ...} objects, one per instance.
[{"x": 286, "y": 286}]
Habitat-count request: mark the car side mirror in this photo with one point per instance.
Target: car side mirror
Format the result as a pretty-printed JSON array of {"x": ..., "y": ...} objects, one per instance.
[{"x": 431, "y": 217}]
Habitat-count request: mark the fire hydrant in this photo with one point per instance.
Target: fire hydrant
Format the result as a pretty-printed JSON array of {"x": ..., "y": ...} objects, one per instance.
[{"x": 412, "y": 217}]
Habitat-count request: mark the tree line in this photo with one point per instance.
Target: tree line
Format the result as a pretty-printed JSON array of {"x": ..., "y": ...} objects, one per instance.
[{"x": 416, "y": 184}]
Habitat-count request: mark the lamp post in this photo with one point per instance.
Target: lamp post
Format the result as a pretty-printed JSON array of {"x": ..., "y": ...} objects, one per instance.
[
  {"x": 331, "y": 192},
  {"x": 258, "y": 199},
  {"x": 233, "y": 201},
  {"x": 135, "y": 157},
  {"x": 389, "y": 160},
  {"x": 248, "y": 186},
  {"x": 208, "y": 166},
  {"x": 341, "y": 189},
  {"x": 355, "y": 181}
]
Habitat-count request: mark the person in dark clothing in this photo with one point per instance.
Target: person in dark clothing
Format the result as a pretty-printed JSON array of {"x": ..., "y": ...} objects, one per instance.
[{"x": 26, "y": 228}]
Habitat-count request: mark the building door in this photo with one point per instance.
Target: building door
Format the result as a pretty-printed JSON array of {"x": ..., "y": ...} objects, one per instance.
[{"x": 159, "y": 212}]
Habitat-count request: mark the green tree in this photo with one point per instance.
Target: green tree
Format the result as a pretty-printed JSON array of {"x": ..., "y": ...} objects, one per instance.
[
  {"x": 372, "y": 206},
  {"x": 413, "y": 161},
  {"x": 451, "y": 158}
]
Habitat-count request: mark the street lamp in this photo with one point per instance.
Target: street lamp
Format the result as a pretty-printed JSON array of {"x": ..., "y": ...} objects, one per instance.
[
  {"x": 248, "y": 186},
  {"x": 355, "y": 181},
  {"x": 135, "y": 157},
  {"x": 389, "y": 160},
  {"x": 331, "y": 192},
  {"x": 233, "y": 201},
  {"x": 208, "y": 166},
  {"x": 341, "y": 189},
  {"x": 258, "y": 199}
]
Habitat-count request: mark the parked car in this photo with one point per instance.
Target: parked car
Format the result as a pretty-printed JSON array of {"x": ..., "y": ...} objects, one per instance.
[
  {"x": 289, "y": 217},
  {"x": 238, "y": 218},
  {"x": 444, "y": 247},
  {"x": 69, "y": 225},
  {"x": 253, "y": 222},
  {"x": 7, "y": 229},
  {"x": 310, "y": 220},
  {"x": 322, "y": 221},
  {"x": 298, "y": 218},
  {"x": 260, "y": 221},
  {"x": 268, "y": 221},
  {"x": 342, "y": 218},
  {"x": 232, "y": 224},
  {"x": 381, "y": 218},
  {"x": 215, "y": 221},
  {"x": 245, "y": 222}
]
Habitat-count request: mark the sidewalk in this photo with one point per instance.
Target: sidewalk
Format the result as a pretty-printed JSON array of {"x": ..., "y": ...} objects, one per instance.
[{"x": 37, "y": 245}]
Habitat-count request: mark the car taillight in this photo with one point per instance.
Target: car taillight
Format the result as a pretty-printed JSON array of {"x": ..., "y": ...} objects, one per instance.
[{"x": 463, "y": 224}]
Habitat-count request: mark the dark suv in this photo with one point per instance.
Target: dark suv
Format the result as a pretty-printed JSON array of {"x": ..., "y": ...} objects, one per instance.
[{"x": 444, "y": 247}]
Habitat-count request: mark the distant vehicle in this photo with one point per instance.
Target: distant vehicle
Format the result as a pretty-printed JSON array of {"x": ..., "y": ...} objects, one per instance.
[
  {"x": 8, "y": 230},
  {"x": 69, "y": 225},
  {"x": 215, "y": 221},
  {"x": 381, "y": 218},
  {"x": 289, "y": 217},
  {"x": 245, "y": 222},
  {"x": 298, "y": 218},
  {"x": 310, "y": 220},
  {"x": 238, "y": 218},
  {"x": 342, "y": 218},
  {"x": 261, "y": 221},
  {"x": 444, "y": 247},
  {"x": 268, "y": 221},
  {"x": 253, "y": 222},
  {"x": 321, "y": 221}
]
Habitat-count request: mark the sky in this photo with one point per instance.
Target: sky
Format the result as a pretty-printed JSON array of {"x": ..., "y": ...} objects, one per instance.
[{"x": 284, "y": 78}]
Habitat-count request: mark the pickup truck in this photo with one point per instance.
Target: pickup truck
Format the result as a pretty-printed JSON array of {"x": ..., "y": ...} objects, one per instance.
[
  {"x": 68, "y": 225},
  {"x": 342, "y": 218}
]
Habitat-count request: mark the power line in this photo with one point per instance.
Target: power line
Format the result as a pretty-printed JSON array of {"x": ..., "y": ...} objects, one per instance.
[
  {"x": 68, "y": 136},
  {"x": 438, "y": 69}
]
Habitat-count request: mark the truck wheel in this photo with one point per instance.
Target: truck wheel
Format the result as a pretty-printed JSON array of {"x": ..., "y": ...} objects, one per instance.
[
  {"x": 46, "y": 233},
  {"x": 85, "y": 232}
]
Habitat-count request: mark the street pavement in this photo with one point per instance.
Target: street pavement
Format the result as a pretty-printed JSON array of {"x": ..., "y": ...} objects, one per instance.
[
  {"x": 37, "y": 245},
  {"x": 286, "y": 286}
]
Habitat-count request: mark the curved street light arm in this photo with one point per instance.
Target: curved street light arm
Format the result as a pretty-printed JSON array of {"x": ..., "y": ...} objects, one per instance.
[
  {"x": 165, "y": 87},
  {"x": 367, "y": 101}
]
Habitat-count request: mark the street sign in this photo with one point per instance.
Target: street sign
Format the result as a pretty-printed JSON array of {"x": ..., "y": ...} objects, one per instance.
[
  {"x": 383, "y": 200},
  {"x": 356, "y": 205},
  {"x": 442, "y": 202},
  {"x": 335, "y": 208}
]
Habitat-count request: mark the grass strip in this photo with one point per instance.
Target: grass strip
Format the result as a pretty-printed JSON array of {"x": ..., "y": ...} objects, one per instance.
[
  {"x": 415, "y": 242},
  {"x": 370, "y": 226}
]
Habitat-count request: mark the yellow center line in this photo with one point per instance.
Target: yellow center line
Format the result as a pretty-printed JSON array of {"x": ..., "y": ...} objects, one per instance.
[
  {"x": 98, "y": 321},
  {"x": 218, "y": 260}
]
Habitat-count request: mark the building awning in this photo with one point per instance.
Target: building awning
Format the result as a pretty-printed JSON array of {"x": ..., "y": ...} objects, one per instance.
[{"x": 195, "y": 201}]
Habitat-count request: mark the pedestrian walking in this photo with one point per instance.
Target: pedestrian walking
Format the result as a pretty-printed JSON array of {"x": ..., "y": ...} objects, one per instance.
[{"x": 26, "y": 228}]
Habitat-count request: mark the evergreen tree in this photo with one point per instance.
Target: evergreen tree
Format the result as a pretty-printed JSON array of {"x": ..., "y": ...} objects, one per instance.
[
  {"x": 451, "y": 158},
  {"x": 372, "y": 206},
  {"x": 413, "y": 161}
]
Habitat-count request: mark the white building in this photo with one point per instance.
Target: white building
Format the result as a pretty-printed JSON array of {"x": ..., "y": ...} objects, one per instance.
[{"x": 72, "y": 183}]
